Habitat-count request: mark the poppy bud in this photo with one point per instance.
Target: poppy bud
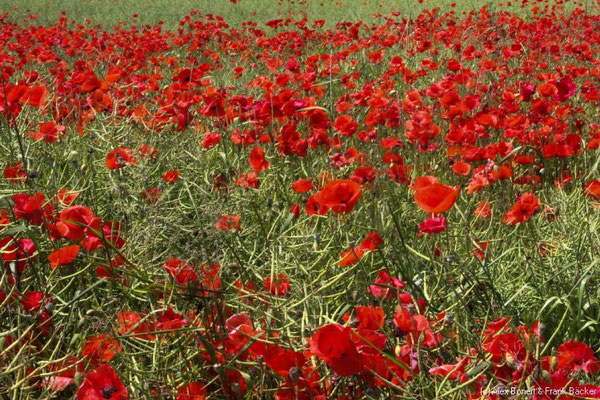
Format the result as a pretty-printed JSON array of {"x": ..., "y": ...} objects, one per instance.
[
  {"x": 449, "y": 318},
  {"x": 49, "y": 307},
  {"x": 541, "y": 328},
  {"x": 511, "y": 361},
  {"x": 553, "y": 362},
  {"x": 294, "y": 374},
  {"x": 78, "y": 378},
  {"x": 546, "y": 376},
  {"x": 398, "y": 350}
]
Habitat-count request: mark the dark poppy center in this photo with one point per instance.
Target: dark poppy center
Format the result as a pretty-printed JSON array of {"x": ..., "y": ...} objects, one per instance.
[{"x": 107, "y": 391}]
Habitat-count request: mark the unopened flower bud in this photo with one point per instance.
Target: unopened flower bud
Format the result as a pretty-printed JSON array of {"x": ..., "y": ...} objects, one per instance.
[{"x": 294, "y": 374}]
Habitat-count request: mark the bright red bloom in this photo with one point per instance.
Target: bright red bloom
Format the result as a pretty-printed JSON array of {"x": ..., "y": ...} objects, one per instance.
[
  {"x": 29, "y": 207},
  {"x": 282, "y": 360},
  {"x": 34, "y": 301},
  {"x": 63, "y": 256},
  {"x": 171, "y": 176},
  {"x": 434, "y": 197},
  {"x": 351, "y": 256},
  {"x": 371, "y": 242},
  {"x": 524, "y": 208},
  {"x": 461, "y": 168},
  {"x": 302, "y": 185},
  {"x": 130, "y": 324},
  {"x": 257, "y": 159},
  {"x": 103, "y": 383},
  {"x": 345, "y": 125},
  {"x": 339, "y": 195},
  {"x": 277, "y": 285},
  {"x": 35, "y": 96},
  {"x": 333, "y": 344},
  {"x": 182, "y": 272},
  {"x": 211, "y": 140},
  {"x": 170, "y": 320},
  {"x": 370, "y": 317},
  {"x": 100, "y": 348},
  {"x": 15, "y": 173},
  {"x": 49, "y": 132},
  {"x": 66, "y": 197},
  {"x": 73, "y": 222},
  {"x": 577, "y": 356},
  {"x": 592, "y": 189},
  {"x": 192, "y": 391},
  {"x": 432, "y": 225},
  {"x": 381, "y": 286},
  {"x": 229, "y": 222},
  {"x": 119, "y": 158},
  {"x": 483, "y": 210},
  {"x": 295, "y": 210},
  {"x": 312, "y": 207}
]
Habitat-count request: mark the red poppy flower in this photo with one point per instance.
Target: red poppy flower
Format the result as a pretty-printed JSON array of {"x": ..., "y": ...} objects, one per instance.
[
  {"x": 302, "y": 185},
  {"x": 423, "y": 181},
  {"x": 171, "y": 176},
  {"x": 73, "y": 221},
  {"x": 522, "y": 210},
  {"x": 345, "y": 125},
  {"x": 257, "y": 159},
  {"x": 351, "y": 256},
  {"x": 282, "y": 360},
  {"x": 461, "y": 168},
  {"x": 170, "y": 320},
  {"x": 483, "y": 210},
  {"x": 102, "y": 383},
  {"x": 66, "y": 197},
  {"x": 49, "y": 132},
  {"x": 100, "y": 348},
  {"x": 371, "y": 242},
  {"x": 63, "y": 256},
  {"x": 333, "y": 344},
  {"x": 312, "y": 207},
  {"x": 119, "y": 158},
  {"x": 192, "y": 391},
  {"x": 182, "y": 272},
  {"x": 211, "y": 140},
  {"x": 277, "y": 285},
  {"x": 229, "y": 222},
  {"x": 34, "y": 301},
  {"x": 339, "y": 195},
  {"x": 370, "y": 317},
  {"x": 435, "y": 197},
  {"x": 35, "y": 96},
  {"x": 295, "y": 210},
  {"x": 130, "y": 324},
  {"x": 577, "y": 356},
  {"x": 381, "y": 286},
  {"x": 15, "y": 173},
  {"x": 63, "y": 373},
  {"x": 29, "y": 207},
  {"x": 592, "y": 189},
  {"x": 432, "y": 225}
]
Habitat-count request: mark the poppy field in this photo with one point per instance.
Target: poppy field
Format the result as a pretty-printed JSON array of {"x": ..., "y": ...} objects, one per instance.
[{"x": 299, "y": 200}]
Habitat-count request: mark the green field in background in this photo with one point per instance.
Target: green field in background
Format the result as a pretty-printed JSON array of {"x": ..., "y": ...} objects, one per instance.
[{"x": 111, "y": 12}]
